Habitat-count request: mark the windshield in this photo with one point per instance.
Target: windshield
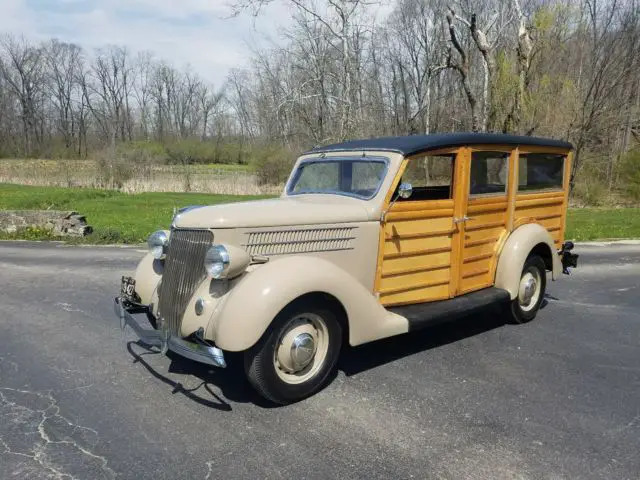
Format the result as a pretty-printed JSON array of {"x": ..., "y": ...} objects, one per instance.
[{"x": 357, "y": 177}]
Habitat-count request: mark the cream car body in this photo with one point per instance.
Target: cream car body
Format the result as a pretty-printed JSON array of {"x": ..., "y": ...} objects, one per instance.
[{"x": 329, "y": 248}]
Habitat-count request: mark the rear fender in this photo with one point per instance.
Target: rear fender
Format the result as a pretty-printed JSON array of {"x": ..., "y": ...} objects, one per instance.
[
  {"x": 253, "y": 303},
  {"x": 522, "y": 241}
]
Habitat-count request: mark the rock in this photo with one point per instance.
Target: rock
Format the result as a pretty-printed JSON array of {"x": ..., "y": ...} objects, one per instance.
[{"x": 60, "y": 223}]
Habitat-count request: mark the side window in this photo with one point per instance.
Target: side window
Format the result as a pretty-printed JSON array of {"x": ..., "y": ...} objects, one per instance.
[
  {"x": 489, "y": 173},
  {"x": 540, "y": 171},
  {"x": 319, "y": 176},
  {"x": 366, "y": 176},
  {"x": 430, "y": 176}
]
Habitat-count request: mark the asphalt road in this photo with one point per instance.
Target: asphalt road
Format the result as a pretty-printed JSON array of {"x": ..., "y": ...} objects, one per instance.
[{"x": 555, "y": 398}]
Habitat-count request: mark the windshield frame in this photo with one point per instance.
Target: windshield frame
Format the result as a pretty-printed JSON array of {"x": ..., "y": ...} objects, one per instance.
[{"x": 295, "y": 175}]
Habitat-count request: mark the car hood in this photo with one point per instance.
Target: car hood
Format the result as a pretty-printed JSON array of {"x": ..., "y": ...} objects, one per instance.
[{"x": 299, "y": 210}]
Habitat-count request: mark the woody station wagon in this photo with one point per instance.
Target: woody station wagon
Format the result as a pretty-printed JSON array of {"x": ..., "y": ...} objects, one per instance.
[{"x": 369, "y": 239}]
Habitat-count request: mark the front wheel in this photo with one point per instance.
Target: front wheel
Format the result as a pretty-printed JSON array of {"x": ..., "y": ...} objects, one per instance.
[
  {"x": 533, "y": 283},
  {"x": 297, "y": 354}
]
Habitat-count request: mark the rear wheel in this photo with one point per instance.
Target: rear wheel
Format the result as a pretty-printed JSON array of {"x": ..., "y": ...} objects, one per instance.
[
  {"x": 297, "y": 354},
  {"x": 533, "y": 283}
]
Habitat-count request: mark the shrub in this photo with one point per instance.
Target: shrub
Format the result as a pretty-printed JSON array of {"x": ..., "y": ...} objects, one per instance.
[
  {"x": 192, "y": 151},
  {"x": 630, "y": 174},
  {"x": 113, "y": 169},
  {"x": 271, "y": 163},
  {"x": 589, "y": 189},
  {"x": 107, "y": 236},
  {"x": 116, "y": 167}
]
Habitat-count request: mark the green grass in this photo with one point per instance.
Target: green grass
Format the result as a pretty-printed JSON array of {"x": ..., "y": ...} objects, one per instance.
[
  {"x": 129, "y": 218},
  {"x": 115, "y": 217},
  {"x": 603, "y": 224}
]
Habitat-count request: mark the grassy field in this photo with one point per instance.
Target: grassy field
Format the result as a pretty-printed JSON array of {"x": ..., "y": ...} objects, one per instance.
[
  {"x": 129, "y": 218},
  {"x": 600, "y": 223},
  {"x": 116, "y": 217}
]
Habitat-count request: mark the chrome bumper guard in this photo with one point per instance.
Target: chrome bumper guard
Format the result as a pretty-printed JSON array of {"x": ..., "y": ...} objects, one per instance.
[{"x": 157, "y": 338}]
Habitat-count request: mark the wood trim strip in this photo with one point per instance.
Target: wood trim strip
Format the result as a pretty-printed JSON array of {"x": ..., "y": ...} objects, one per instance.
[
  {"x": 428, "y": 234},
  {"x": 421, "y": 205},
  {"x": 559, "y": 193},
  {"x": 512, "y": 187},
  {"x": 484, "y": 241},
  {"x": 542, "y": 202},
  {"x": 568, "y": 160},
  {"x": 461, "y": 198},
  {"x": 543, "y": 149},
  {"x": 418, "y": 215},
  {"x": 475, "y": 258},
  {"x": 487, "y": 200},
  {"x": 403, "y": 271},
  {"x": 480, "y": 209},
  {"x": 473, "y": 228},
  {"x": 417, "y": 286},
  {"x": 475, "y": 273},
  {"x": 417, "y": 253},
  {"x": 549, "y": 217}
]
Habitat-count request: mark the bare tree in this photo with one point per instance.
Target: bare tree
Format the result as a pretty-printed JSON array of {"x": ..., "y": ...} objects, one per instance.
[
  {"x": 63, "y": 64},
  {"x": 23, "y": 74}
]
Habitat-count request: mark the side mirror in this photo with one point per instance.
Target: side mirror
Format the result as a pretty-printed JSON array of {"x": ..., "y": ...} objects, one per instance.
[{"x": 405, "y": 190}]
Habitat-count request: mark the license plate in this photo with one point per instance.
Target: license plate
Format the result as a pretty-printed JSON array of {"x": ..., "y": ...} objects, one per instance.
[{"x": 128, "y": 288}]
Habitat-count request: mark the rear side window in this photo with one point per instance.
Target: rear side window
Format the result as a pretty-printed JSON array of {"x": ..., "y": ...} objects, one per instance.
[
  {"x": 540, "y": 171},
  {"x": 488, "y": 173}
]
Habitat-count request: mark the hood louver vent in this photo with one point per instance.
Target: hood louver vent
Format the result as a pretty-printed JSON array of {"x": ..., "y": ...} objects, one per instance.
[{"x": 281, "y": 242}]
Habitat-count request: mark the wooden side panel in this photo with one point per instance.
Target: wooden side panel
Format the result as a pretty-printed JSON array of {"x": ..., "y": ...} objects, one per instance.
[
  {"x": 482, "y": 236},
  {"x": 546, "y": 208},
  {"x": 416, "y": 252}
]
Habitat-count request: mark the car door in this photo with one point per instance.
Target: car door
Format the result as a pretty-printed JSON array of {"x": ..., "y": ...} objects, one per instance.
[
  {"x": 483, "y": 216},
  {"x": 419, "y": 244}
]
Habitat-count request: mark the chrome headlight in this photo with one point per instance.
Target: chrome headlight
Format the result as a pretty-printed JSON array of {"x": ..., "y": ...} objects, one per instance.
[
  {"x": 158, "y": 242},
  {"x": 226, "y": 261},
  {"x": 216, "y": 261}
]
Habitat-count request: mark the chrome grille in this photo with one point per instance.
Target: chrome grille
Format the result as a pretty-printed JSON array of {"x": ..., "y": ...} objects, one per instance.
[
  {"x": 183, "y": 272},
  {"x": 307, "y": 240}
]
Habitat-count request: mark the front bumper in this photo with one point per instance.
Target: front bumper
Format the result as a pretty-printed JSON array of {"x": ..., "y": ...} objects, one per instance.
[{"x": 199, "y": 352}]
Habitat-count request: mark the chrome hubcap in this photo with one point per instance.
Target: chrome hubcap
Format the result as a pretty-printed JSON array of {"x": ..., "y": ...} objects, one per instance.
[
  {"x": 302, "y": 350},
  {"x": 529, "y": 289}
]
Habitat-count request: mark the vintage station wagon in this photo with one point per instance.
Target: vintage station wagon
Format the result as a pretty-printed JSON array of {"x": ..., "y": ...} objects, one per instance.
[{"x": 369, "y": 239}]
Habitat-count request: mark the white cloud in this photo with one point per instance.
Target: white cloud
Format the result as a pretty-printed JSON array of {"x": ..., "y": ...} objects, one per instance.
[{"x": 195, "y": 32}]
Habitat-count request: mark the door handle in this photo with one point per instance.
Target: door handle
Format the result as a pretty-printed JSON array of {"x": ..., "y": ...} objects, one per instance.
[{"x": 461, "y": 220}]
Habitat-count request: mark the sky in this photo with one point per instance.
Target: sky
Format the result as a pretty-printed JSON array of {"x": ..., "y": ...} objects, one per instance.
[{"x": 194, "y": 33}]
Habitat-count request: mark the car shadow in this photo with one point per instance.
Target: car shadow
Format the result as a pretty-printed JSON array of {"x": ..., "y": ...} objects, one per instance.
[
  {"x": 371, "y": 355},
  {"x": 232, "y": 383}
]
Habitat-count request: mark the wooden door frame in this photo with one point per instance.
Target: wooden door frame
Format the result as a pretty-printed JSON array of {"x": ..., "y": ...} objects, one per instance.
[
  {"x": 460, "y": 199},
  {"x": 404, "y": 206}
]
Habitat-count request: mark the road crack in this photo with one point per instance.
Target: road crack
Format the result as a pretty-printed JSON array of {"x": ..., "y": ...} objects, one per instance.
[{"x": 44, "y": 443}]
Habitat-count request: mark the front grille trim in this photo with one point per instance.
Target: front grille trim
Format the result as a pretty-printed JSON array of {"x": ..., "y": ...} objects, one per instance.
[{"x": 183, "y": 272}]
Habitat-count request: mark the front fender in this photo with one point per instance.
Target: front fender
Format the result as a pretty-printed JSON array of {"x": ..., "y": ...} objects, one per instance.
[
  {"x": 515, "y": 252},
  {"x": 147, "y": 276},
  {"x": 253, "y": 303}
]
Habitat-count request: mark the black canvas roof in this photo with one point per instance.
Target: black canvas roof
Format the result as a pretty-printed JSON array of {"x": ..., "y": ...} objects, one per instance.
[{"x": 413, "y": 144}]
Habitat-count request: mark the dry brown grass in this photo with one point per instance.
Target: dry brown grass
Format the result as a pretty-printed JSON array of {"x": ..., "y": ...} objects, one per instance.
[{"x": 227, "y": 180}]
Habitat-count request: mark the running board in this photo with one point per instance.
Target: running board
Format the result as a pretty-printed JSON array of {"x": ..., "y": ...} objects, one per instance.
[{"x": 422, "y": 315}]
